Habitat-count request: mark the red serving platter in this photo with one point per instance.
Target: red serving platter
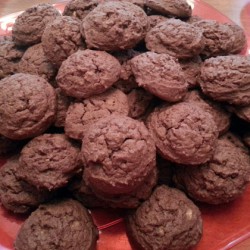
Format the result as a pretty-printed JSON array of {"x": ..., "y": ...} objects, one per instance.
[{"x": 224, "y": 225}]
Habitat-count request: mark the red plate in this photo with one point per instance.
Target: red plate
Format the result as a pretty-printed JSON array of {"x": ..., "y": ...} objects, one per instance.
[{"x": 224, "y": 225}]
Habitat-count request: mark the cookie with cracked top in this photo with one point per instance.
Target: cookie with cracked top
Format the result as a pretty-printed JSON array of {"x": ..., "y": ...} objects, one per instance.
[
  {"x": 27, "y": 106},
  {"x": 167, "y": 220},
  {"x": 118, "y": 154},
  {"x": 223, "y": 178},
  {"x": 87, "y": 73},
  {"x": 64, "y": 224}
]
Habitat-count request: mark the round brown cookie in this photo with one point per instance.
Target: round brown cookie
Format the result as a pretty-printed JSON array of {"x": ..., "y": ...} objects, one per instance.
[
  {"x": 6, "y": 38},
  {"x": 176, "y": 38},
  {"x": 240, "y": 41},
  {"x": 154, "y": 20},
  {"x": 16, "y": 195},
  {"x": 184, "y": 133},
  {"x": 219, "y": 38},
  {"x": 176, "y": 8},
  {"x": 35, "y": 62},
  {"x": 220, "y": 115},
  {"x": 62, "y": 224},
  {"x": 138, "y": 101},
  {"x": 246, "y": 139},
  {"x": 160, "y": 74},
  {"x": 29, "y": 26},
  {"x": 168, "y": 220},
  {"x": 88, "y": 198},
  {"x": 114, "y": 26},
  {"x": 27, "y": 106},
  {"x": 63, "y": 103},
  {"x": 79, "y": 8},
  {"x": 222, "y": 179},
  {"x": 191, "y": 69},
  {"x": 140, "y": 3},
  {"x": 227, "y": 79},
  {"x": 87, "y": 73},
  {"x": 49, "y": 161},
  {"x": 81, "y": 115},
  {"x": 62, "y": 38},
  {"x": 118, "y": 153},
  {"x": 10, "y": 57}
]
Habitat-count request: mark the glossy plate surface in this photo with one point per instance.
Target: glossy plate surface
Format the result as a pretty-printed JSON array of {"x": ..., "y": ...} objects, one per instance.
[{"x": 224, "y": 225}]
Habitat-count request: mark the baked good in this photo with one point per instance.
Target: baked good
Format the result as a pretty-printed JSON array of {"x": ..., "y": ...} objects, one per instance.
[
  {"x": 114, "y": 26},
  {"x": 154, "y": 20},
  {"x": 222, "y": 179},
  {"x": 27, "y": 106},
  {"x": 183, "y": 133},
  {"x": 140, "y": 3},
  {"x": 160, "y": 74},
  {"x": 82, "y": 114},
  {"x": 167, "y": 220},
  {"x": 227, "y": 79},
  {"x": 35, "y": 62},
  {"x": 29, "y": 26},
  {"x": 64, "y": 224},
  {"x": 15, "y": 195},
  {"x": 176, "y": 38},
  {"x": 175, "y": 8},
  {"x": 219, "y": 38},
  {"x": 87, "y": 73},
  {"x": 62, "y": 38},
  {"x": 79, "y": 8},
  {"x": 118, "y": 153},
  {"x": 49, "y": 161},
  {"x": 220, "y": 115},
  {"x": 10, "y": 55}
]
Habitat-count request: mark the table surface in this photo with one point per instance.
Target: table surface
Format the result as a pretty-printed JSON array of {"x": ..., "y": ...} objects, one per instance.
[{"x": 236, "y": 10}]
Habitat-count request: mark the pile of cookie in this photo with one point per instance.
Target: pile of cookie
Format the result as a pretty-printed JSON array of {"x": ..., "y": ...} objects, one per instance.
[{"x": 125, "y": 104}]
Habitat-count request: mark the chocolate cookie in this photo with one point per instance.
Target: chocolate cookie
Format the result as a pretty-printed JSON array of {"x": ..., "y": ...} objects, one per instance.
[
  {"x": 63, "y": 103},
  {"x": 154, "y": 20},
  {"x": 49, "y": 161},
  {"x": 10, "y": 56},
  {"x": 161, "y": 75},
  {"x": 219, "y": 38},
  {"x": 114, "y": 26},
  {"x": 16, "y": 195},
  {"x": 58, "y": 225},
  {"x": 175, "y": 8},
  {"x": 138, "y": 101},
  {"x": 27, "y": 106},
  {"x": 118, "y": 153},
  {"x": 35, "y": 62},
  {"x": 81, "y": 115},
  {"x": 61, "y": 38},
  {"x": 140, "y": 3},
  {"x": 29, "y": 26},
  {"x": 191, "y": 69},
  {"x": 227, "y": 79},
  {"x": 176, "y": 38},
  {"x": 87, "y": 73},
  {"x": 222, "y": 179},
  {"x": 79, "y": 8},
  {"x": 168, "y": 220},
  {"x": 220, "y": 115},
  {"x": 184, "y": 133}
]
